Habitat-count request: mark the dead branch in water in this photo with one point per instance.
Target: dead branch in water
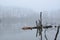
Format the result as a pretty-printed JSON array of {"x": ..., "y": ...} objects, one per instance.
[{"x": 57, "y": 33}]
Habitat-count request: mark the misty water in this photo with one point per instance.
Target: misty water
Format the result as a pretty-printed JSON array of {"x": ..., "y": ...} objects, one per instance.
[
  {"x": 14, "y": 32},
  {"x": 11, "y": 30},
  {"x": 11, "y": 24}
]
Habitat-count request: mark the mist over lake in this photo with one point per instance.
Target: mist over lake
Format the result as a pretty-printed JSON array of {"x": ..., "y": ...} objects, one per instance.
[{"x": 13, "y": 19}]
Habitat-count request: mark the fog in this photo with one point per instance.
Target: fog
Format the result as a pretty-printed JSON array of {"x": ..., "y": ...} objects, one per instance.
[
  {"x": 13, "y": 19},
  {"x": 15, "y": 14}
]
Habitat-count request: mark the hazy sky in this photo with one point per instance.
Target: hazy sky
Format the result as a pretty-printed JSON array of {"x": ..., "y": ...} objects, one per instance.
[{"x": 37, "y": 5}]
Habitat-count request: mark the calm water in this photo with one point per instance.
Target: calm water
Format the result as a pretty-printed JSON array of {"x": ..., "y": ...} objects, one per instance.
[{"x": 14, "y": 32}]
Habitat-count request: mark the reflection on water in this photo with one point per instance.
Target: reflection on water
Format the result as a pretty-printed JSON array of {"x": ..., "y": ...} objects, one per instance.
[{"x": 13, "y": 32}]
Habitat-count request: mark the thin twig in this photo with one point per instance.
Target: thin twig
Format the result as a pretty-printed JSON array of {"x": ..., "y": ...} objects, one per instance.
[{"x": 57, "y": 33}]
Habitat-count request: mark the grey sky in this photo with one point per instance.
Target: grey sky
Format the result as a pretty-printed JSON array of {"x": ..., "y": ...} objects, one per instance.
[{"x": 37, "y": 5}]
